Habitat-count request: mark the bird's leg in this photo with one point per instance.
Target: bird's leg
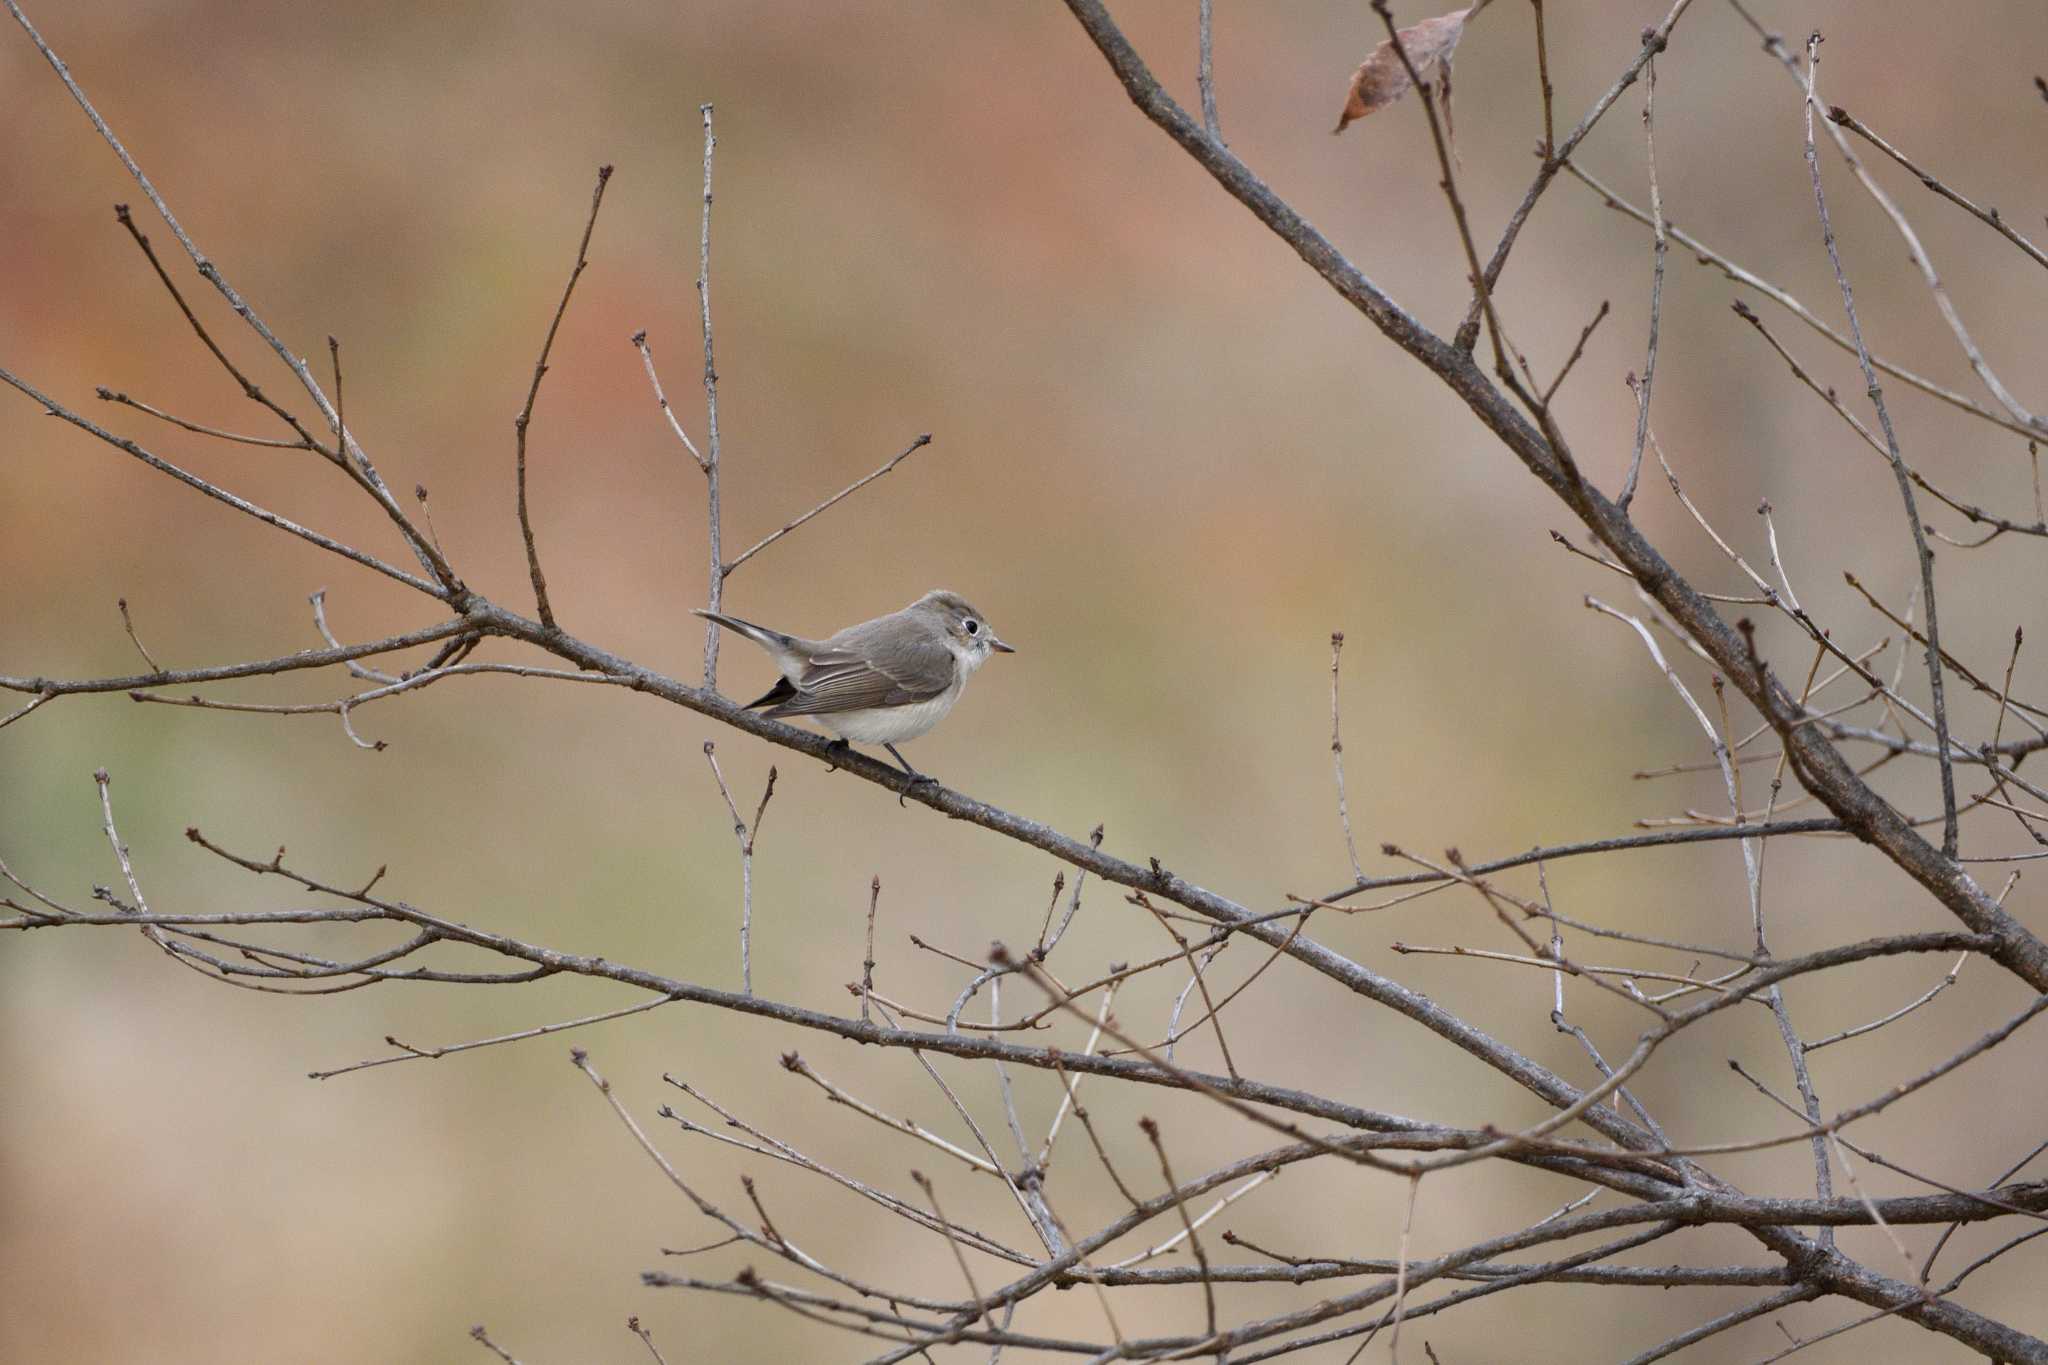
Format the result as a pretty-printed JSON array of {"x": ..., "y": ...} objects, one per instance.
[
  {"x": 836, "y": 747},
  {"x": 916, "y": 778}
]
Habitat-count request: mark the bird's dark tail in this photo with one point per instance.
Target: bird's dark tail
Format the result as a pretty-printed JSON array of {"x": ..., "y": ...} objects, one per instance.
[{"x": 775, "y": 695}]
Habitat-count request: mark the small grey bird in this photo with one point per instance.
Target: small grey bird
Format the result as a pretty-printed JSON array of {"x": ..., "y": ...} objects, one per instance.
[{"x": 883, "y": 681}]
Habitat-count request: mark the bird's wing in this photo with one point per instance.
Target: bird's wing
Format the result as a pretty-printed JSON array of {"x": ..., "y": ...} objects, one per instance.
[{"x": 856, "y": 674}]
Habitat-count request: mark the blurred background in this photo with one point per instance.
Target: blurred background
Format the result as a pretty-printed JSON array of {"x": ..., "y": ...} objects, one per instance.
[{"x": 1168, "y": 462}]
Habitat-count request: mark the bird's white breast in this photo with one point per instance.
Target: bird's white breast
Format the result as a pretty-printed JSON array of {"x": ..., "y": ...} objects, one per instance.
[{"x": 892, "y": 724}]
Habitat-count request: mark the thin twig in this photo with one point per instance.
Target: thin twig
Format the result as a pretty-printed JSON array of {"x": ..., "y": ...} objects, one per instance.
[
  {"x": 715, "y": 592},
  {"x": 1337, "y": 751},
  {"x": 646, "y": 1339},
  {"x": 483, "y": 1339},
  {"x": 1558, "y": 157},
  {"x": 779, "y": 1150},
  {"x": 128, "y": 625},
  {"x": 1826, "y": 393},
  {"x": 1898, "y": 463},
  {"x": 639, "y": 340},
  {"x": 1481, "y": 285},
  {"x": 1707, "y": 256},
  {"x": 2003, "y": 696},
  {"x": 795, "y": 1064},
  {"x": 1150, "y": 1128},
  {"x": 1585, "y": 334},
  {"x": 1401, "y": 1270},
  {"x": 540, "y": 369},
  {"x": 1662, "y": 245},
  {"x": 1991, "y": 218},
  {"x": 409, "y": 1053},
  {"x": 197, "y": 428},
  {"x": 867, "y": 966},
  {"x": 1823, "y": 825},
  {"x": 959, "y": 1253},
  {"x": 250, "y": 389},
  {"x": 916, "y": 445},
  {"x": 745, "y": 836},
  {"x": 1671, "y": 1346},
  {"x": 1201, "y": 982},
  {"x": 1069, "y": 1101},
  {"x": 219, "y": 494},
  {"x": 1897, "y": 1014},
  {"x": 1927, "y": 1266}
]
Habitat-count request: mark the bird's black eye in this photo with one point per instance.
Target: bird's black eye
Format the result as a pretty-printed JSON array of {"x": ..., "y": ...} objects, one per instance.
[{"x": 973, "y": 626}]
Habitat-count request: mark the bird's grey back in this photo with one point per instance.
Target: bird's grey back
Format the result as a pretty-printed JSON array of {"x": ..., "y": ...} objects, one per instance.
[{"x": 884, "y": 662}]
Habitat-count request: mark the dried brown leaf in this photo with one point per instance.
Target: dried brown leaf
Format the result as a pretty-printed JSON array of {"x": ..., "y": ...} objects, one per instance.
[{"x": 1383, "y": 78}]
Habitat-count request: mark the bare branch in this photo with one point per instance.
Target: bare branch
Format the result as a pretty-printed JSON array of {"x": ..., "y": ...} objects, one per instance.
[
  {"x": 219, "y": 494},
  {"x": 1151, "y": 1130},
  {"x": 715, "y": 591},
  {"x": 1708, "y": 256},
  {"x": 1662, "y": 245},
  {"x": 1891, "y": 443},
  {"x": 916, "y": 445},
  {"x": 1991, "y": 218},
  {"x": 483, "y": 1339},
  {"x": 540, "y": 369},
  {"x": 661, "y": 400},
  {"x": 646, "y": 1339}
]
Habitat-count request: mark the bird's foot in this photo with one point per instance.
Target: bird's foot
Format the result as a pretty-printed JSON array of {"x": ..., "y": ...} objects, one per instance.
[
  {"x": 917, "y": 780},
  {"x": 836, "y": 747}
]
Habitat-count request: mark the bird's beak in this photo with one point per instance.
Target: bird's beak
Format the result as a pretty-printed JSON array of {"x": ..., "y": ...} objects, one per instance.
[{"x": 996, "y": 644}]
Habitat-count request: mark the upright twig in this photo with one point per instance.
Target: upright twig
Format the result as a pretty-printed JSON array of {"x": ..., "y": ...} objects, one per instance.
[
  {"x": 867, "y": 966},
  {"x": 1481, "y": 285},
  {"x": 1658, "y": 250},
  {"x": 1073, "y": 900},
  {"x": 646, "y": 1339},
  {"x": 1543, "y": 80},
  {"x": 1916, "y": 252},
  {"x": 715, "y": 593},
  {"x": 520, "y": 423},
  {"x": 1898, "y": 463},
  {"x": 1205, "y": 68},
  {"x": 1197, "y": 981},
  {"x": 341, "y": 437},
  {"x": 1559, "y": 158},
  {"x": 1150, "y": 1128},
  {"x": 128, "y": 625},
  {"x": 952, "y": 1240},
  {"x": 745, "y": 834},
  {"x": 1337, "y": 753},
  {"x": 1401, "y": 1272},
  {"x": 1738, "y": 274},
  {"x": 1069, "y": 1099},
  {"x": 138, "y": 904}
]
